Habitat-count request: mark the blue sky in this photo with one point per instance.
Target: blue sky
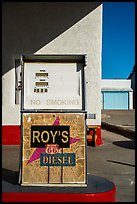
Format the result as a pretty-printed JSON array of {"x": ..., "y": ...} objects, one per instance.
[{"x": 118, "y": 41}]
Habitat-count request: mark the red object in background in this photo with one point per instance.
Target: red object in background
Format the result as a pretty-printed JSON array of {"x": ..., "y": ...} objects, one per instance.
[
  {"x": 99, "y": 139},
  {"x": 91, "y": 132},
  {"x": 91, "y": 139},
  {"x": 95, "y": 132}
]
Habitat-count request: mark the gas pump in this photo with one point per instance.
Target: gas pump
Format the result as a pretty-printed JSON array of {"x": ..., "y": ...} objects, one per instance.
[{"x": 53, "y": 121}]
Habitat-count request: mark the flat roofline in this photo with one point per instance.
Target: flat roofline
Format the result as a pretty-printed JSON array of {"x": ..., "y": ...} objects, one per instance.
[
  {"x": 55, "y": 58},
  {"x": 115, "y": 79},
  {"x": 116, "y": 89}
]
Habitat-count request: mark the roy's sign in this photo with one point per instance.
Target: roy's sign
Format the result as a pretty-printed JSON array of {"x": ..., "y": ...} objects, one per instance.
[
  {"x": 53, "y": 149},
  {"x": 42, "y": 135}
]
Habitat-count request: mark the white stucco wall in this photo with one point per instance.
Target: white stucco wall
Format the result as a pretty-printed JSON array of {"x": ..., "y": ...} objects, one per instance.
[
  {"x": 130, "y": 100},
  {"x": 133, "y": 87},
  {"x": 116, "y": 83},
  {"x": 83, "y": 37}
]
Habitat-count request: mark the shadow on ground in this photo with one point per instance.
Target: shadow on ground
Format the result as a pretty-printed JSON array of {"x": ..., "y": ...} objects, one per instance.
[
  {"x": 125, "y": 144},
  {"x": 10, "y": 176},
  {"x": 121, "y": 163}
]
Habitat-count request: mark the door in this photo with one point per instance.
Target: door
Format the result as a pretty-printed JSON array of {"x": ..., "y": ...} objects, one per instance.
[{"x": 116, "y": 100}]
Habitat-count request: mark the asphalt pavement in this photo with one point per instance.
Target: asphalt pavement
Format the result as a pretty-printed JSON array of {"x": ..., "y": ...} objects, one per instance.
[
  {"x": 114, "y": 160},
  {"x": 119, "y": 121}
]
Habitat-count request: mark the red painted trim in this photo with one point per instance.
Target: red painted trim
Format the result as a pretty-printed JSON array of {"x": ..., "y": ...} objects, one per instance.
[
  {"x": 109, "y": 196},
  {"x": 10, "y": 135}
]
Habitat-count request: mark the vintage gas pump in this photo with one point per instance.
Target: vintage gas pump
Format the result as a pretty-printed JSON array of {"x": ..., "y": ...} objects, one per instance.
[{"x": 53, "y": 127}]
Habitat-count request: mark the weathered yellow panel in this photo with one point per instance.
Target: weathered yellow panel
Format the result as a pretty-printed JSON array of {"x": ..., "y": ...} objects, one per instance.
[{"x": 53, "y": 149}]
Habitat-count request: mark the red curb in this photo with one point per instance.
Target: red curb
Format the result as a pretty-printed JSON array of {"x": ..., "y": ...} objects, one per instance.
[{"x": 109, "y": 196}]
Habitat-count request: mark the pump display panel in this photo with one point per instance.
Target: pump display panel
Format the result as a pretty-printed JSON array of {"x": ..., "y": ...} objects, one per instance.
[{"x": 52, "y": 86}]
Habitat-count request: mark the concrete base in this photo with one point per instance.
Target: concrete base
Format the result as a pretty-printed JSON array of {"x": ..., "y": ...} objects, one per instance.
[{"x": 99, "y": 190}]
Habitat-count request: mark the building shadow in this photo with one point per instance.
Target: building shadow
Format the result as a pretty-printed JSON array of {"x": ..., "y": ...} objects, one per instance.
[
  {"x": 10, "y": 176},
  {"x": 28, "y": 26},
  {"x": 121, "y": 163},
  {"x": 125, "y": 144}
]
